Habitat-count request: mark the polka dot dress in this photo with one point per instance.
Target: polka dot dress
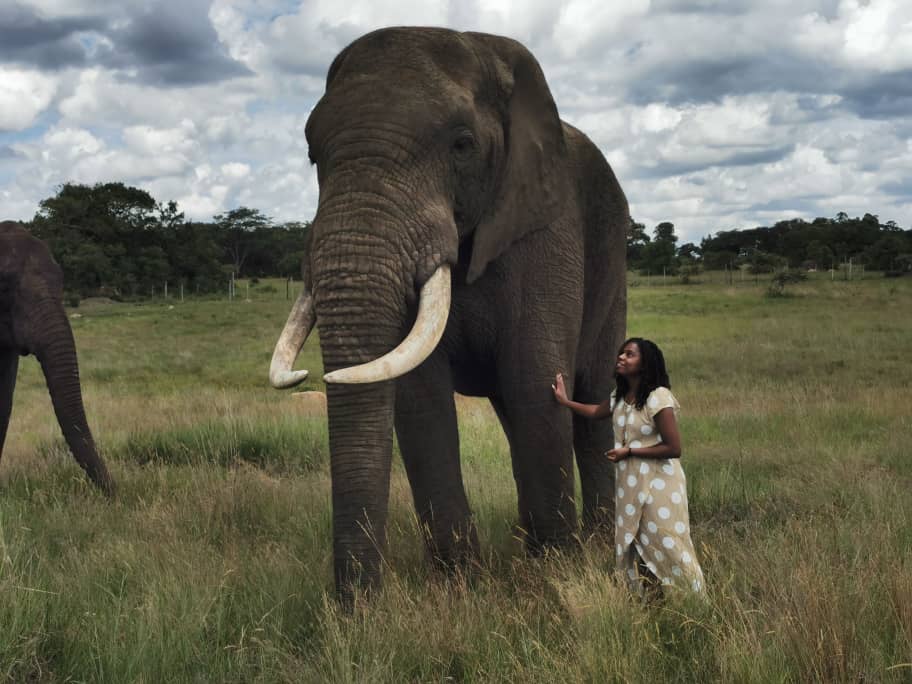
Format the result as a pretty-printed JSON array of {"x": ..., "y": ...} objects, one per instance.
[{"x": 652, "y": 519}]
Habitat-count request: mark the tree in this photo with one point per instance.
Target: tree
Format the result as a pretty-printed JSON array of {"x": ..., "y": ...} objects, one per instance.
[
  {"x": 637, "y": 239},
  {"x": 238, "y": 232},
  {"x": 689, "y": 252},
  {"x": 659, "y": 255},
  {"x": 98, "y": 233}
]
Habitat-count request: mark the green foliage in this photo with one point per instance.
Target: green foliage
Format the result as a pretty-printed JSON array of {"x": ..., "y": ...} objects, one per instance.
[
  {"x": 637, "y": 239},
  {"x": 781, "y": 279},
  {"x": 820, "y": 244},
  {"x": 116, "y": 240},
  {"x": 659, "y": 255}
]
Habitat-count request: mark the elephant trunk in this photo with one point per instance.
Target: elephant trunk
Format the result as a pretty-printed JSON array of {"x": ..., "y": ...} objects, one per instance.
[
  {"x": 364, "y": 304},
  {"x": 56, "y": 352}
]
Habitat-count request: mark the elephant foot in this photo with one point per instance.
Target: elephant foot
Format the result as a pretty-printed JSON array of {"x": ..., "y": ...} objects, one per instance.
[
  {"x": 538, "y": 544},
  {"x": 598, "y": 526},
  {"x": 456, "y": 550}
]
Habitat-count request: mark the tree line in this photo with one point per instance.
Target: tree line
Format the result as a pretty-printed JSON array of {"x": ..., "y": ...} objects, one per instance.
[
  {"x": 821, "y": 244},
  {"x": 117, "y": 240}
]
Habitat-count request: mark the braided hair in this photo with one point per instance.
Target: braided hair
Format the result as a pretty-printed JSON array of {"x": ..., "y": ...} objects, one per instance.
[{"x": 652, "y": 371}]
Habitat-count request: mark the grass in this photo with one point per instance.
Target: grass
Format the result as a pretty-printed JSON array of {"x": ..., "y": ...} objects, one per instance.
[{"x": 214, "y": 562}]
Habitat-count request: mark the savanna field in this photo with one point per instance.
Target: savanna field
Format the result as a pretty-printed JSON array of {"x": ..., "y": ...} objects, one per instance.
[{"x": 213, "y": 564}]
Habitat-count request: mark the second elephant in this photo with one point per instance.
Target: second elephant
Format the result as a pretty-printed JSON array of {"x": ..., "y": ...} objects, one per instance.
[{"x": 33, "y": 321}]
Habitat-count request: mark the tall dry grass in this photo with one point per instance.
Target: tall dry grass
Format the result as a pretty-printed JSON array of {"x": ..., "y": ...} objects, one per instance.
[{"x": 214, "y": 564}]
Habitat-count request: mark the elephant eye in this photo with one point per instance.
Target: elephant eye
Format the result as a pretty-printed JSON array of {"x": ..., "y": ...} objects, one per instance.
[{"x": 464, "y": 144}]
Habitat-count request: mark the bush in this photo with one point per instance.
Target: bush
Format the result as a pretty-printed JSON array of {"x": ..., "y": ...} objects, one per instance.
[{"x": 781, "y": 279}]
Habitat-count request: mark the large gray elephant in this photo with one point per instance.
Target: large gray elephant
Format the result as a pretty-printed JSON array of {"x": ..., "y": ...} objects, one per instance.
[
  {"x": 33, "y": 321},
  {"x": 466, "y": 240}
]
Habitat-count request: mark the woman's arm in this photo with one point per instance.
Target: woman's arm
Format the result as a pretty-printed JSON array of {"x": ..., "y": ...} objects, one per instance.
[
  {"x": 669, "y": 447},
  {"x": 594, "y": 411}
]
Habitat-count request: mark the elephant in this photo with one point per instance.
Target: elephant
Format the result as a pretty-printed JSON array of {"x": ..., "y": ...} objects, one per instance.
[
  {"x": 465, "y": 240},
  {"x": 33, "y": 321}
]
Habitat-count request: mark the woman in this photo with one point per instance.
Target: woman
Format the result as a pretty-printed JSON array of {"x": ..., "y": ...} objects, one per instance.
[{"x": 653, "y": 526}]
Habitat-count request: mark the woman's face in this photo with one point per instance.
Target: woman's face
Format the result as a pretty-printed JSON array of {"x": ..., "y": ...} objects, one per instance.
[{"x": 629, "y": 361}]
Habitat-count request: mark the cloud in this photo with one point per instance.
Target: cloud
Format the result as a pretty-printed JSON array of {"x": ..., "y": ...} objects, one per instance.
[
  {"x": 172, "y": 44},
  {"x": 167, "y": 43},
  {"x": 24, "y": 94},
  {"x": 713, "y": 115},
  {"x": 27, "y": 37}
]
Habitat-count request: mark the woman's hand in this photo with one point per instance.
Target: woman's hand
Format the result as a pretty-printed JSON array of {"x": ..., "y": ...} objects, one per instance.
[
  {"x": 615, "y": 455},
  {"x": 560, "y": 392}
]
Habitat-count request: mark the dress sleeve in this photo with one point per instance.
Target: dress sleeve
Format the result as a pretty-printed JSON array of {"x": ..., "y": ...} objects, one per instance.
[{"x": 661, "y": 398}]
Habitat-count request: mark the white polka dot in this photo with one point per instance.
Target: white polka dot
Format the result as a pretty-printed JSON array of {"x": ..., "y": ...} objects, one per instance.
[
  {"x": 620, "y": 492},
  {"x": 644, "y": 469},
  {"x": 675, "y": 498},
  {"x": 636, "y": 444},
  {"x": 644, "y": 539},
  {"x": 658, "y": 438},
  {"x": 668, "y": 542},
  {"x": 622, "y": 465},
  {"x": 685, "y": 557},
  {"x": 621, "y": 421},
  {"x": 658, "y": 554},
  {"x": 680, "y": 527},
  {"x": 658, "y": 483},
  {"x": 652, "y": 527},
  {"x": 653, "y": 402},
  {"x": 629, "y": 509},
  {"x": 641, "y": 497},
  {"x": 668, "y": 469},
  {"x": 620, "y": 520},
  {"x": 646, "y": 429},
  {"x": 631, "y": 481},
  {"x": 628, "y": 538},
  {"x": 618, "y": 445},
  {"x": 620, "y": 550},
  {"x": 649, "y": 499},
  {"x": 697, "y": 585},
  {"x": 676, "y": 570},
  {"x": 666, "y": 580},
  {"x": 664, "y": 513}
]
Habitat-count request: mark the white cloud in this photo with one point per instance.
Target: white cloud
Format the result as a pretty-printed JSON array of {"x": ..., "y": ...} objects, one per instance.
[
  {"x": 24, "y": 94},
  {"x": 713, "y": 116}
]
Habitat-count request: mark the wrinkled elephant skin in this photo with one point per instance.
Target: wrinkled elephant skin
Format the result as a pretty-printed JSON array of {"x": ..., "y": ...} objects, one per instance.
[{"x": 435, "y": 150}]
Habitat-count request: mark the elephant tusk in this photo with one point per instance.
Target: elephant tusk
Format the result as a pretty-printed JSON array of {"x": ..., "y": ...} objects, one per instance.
[
  {"x": 298, "y": 326},
  {"x": 433, "y": 311}
]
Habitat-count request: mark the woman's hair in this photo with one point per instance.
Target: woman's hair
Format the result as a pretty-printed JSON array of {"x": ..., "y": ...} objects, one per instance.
[{"x": 652, "y": 371}]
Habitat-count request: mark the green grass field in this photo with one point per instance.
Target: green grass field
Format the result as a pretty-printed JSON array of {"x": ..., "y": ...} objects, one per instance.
[{"x": 214, "y": 562}]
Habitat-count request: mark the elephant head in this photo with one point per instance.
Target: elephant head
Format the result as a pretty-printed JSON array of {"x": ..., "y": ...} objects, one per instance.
[
  {"x": 33, "y": 321},
  {"x": 435, "y": 151}
]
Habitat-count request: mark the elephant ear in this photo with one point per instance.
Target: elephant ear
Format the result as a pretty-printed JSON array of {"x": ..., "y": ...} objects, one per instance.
[{"x": 529, "y": 193}]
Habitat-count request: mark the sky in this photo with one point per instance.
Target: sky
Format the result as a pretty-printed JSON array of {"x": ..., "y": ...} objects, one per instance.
[{"x": 714, "y": 115}]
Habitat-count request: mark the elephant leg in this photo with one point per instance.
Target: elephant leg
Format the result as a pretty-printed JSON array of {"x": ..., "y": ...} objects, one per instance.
[
  {"x": 539, "y": 432},
  {"x": 429, "y": 441},
  {"x": 9, "y": 365},
  {"x": 591, "y": 439}
]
